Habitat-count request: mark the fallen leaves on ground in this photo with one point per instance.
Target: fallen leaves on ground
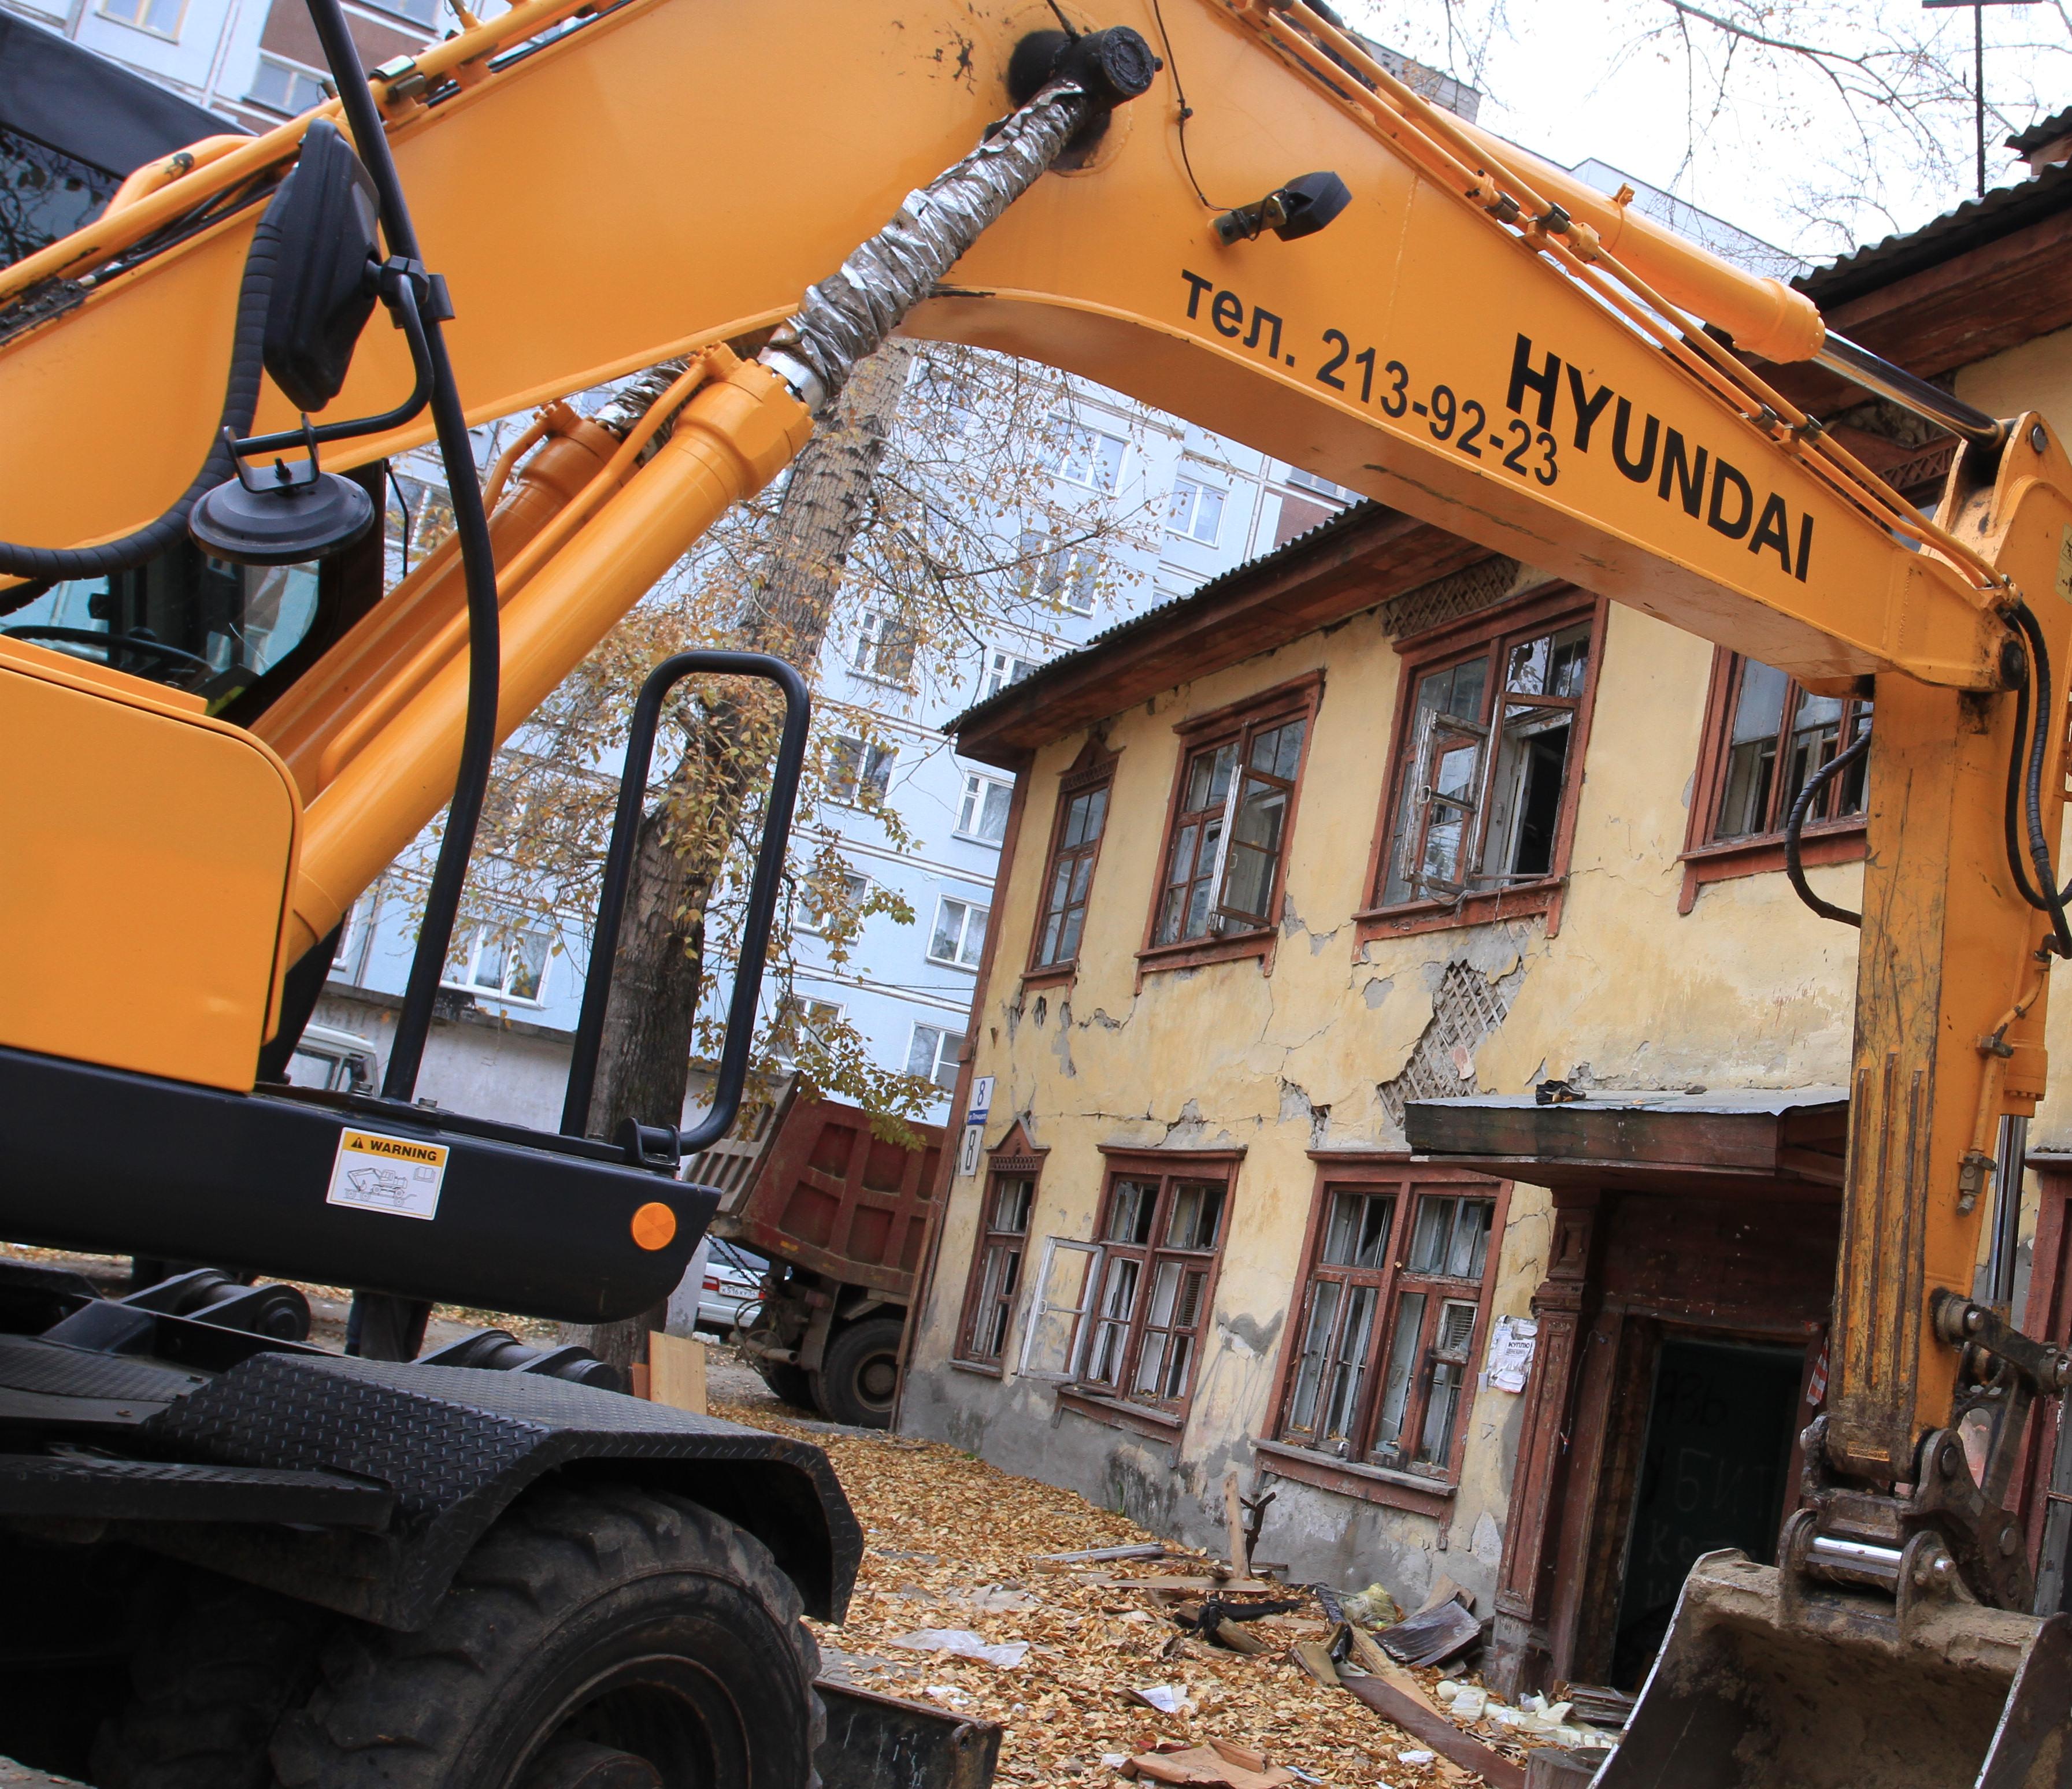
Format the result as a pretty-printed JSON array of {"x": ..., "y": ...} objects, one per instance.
[{"x": 949, "y": 1542}]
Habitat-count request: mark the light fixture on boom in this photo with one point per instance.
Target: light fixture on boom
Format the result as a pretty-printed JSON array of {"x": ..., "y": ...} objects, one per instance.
[{"x": 1300, "y": 208}]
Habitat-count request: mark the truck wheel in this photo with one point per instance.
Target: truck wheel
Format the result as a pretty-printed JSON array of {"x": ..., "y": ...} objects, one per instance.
[
  {"x": 859, "y": 1373},
  {"x": 208, "y": 1685},
  {"x": 793, "y": 1384},
  {"x": 606, "y": 1636}
]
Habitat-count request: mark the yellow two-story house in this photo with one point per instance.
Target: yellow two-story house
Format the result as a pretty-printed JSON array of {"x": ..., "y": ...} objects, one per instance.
[{"x": 1381, "y": 821}]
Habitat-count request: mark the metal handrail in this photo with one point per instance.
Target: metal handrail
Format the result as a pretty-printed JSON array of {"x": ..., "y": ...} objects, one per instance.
[{"x": 763, "y": 890}]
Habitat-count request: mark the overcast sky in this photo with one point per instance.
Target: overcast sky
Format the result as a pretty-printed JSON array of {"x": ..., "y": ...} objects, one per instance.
[{"x": 1814, "y": 156}]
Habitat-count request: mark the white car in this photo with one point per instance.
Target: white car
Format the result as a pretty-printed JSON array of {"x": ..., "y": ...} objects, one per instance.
[{"x": 733, "y": 1283}]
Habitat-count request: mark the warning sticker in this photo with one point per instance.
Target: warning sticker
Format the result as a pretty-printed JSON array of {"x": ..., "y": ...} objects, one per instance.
[{"x": 396, "y": 1175}]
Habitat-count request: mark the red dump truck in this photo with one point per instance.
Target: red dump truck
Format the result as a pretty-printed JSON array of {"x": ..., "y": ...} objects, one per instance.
[{"x": 842, "y": 1215}]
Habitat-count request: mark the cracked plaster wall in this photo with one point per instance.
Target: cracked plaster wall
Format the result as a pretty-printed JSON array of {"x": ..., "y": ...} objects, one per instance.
[{"x": 1748, "y": 990}]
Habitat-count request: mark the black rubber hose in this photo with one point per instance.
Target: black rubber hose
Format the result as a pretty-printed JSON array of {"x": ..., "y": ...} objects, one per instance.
[
  {"x": 2017, "y": 758},
  {"x": 2039, "y": 844},
  {"x": 1793, "y": 868},
  {"x": 240, "y": 399}
]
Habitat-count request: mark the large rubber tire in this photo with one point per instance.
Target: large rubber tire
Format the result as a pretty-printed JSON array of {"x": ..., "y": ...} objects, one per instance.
[
  {"x": 794, "y": 1385},
  {"x": 627, "y": 1618},
  {"x": 859, "y": 1373},
  {"x": 209, "y": 1683}
]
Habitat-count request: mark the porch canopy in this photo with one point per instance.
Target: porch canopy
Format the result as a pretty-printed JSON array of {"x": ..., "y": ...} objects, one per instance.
[{"x": 1729, "y": 1140}]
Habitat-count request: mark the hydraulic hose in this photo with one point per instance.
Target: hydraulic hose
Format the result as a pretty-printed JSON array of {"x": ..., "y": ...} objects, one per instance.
[
  {"x": 1794, "y": 868},
  {"x": 2017, "y": 759},
  {"x": 240, "y": 399},
  {"x": 2054, "y": 898}
]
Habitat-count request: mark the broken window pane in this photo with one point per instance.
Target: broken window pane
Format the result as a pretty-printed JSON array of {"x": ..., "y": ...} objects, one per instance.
[
  {"x": 1111, "y": 1333},
  {"x": 1316, "y": 1350},
  {"x": 1395, "y": 1385},
  {"x": 1485, "y": 776},
  {"x": 1062, "y": 1294},
  {"x": 1348, "y": 1365},
  {"x": 1196, "y": 1209},
  {"x": 1130, "y": 1219}
]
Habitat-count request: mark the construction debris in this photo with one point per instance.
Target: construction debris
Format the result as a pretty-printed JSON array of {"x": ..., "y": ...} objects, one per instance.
[
  {"x": 1088, "y": 1556},
  {"x": 964, "y": 1643},
  {"x": 1315, "y": 1658},
  {"x": 1601, "y": 1707},
  {"x": 1164, "y": 1698},
  {"x": 1420, "y": 1721},
  {"x": 943, "y": 1532},
  {"x": 1372, "y": 1607},
  {"x": 1217, "y": 1765},
  {"x": 1433, "y": 1636}
]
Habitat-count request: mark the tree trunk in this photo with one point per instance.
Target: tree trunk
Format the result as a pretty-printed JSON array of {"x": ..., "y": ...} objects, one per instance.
[{"x": 644, "y": 1062}]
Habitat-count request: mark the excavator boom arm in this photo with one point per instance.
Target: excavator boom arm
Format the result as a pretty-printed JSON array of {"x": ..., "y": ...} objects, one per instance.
[{"x": 1475, "y": 340}]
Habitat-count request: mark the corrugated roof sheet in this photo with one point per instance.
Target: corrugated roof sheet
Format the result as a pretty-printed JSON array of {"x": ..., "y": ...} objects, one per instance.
[
  {"x": 1971, "y": 225},
  {"x": 1157, "y": 616},
  {"x": 2043, "y": 130}
]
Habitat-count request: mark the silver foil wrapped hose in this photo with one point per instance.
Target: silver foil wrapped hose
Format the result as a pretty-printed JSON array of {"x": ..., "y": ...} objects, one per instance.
[{"x": 845, "y": 317}]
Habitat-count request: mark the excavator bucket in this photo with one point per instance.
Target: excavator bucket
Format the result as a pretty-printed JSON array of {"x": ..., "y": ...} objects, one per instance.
[{"x": 1761, "y": 1684}]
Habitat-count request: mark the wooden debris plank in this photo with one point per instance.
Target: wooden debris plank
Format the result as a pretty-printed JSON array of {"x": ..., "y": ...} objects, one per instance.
[
  {"x": 1148, "y": 1550},
  {"x": 1233, "y": 1526},
  {"x": 1435, "y": 1730},
  {"x": 1315, "y": 1658}
]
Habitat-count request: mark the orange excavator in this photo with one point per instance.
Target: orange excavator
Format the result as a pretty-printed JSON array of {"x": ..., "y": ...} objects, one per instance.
[{"x": 223, "y": 728}]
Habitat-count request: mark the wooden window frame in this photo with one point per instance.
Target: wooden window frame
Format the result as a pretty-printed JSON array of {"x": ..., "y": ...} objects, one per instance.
[
  {"x": 1115, "y": 1404},
  {"x": 1001, "y": 1170},
  {"x": 1299, "y": 699},
  {"x": 1095, "y": 769},
  {"x": 1355, "y": 1475},
  {"x": 1545, "y": 610},
  {"x": 1842, "y": 840}
]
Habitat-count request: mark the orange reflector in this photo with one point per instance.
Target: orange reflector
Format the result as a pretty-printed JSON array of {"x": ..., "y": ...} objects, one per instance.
[{"x": 654, "y": 1226}]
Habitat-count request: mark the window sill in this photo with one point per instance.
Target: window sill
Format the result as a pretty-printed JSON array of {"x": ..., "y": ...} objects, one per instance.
[
  {"x": 1372, "y": 1484},
  {"x": 951, "y": 962},
  {"x": 1839, "y": 842},
  {"x": 1140, "y": 1419},
  {"x": 1055, "y": 974},
  {"x": 1196, "y": 952},
  {"x": 983, "y": 1369},
  {"x": 978, "y": 839},
  {"x": 1525, "y": 901}
]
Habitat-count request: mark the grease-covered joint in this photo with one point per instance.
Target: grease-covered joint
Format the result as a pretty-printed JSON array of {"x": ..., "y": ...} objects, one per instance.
[{"x": 845, "y": 317}]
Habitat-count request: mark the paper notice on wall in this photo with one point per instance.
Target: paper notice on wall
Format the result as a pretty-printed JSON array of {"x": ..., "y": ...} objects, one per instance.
[
  {"x": 399, "y": 1175},
  {"x": 1510, "y": 1362}
]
